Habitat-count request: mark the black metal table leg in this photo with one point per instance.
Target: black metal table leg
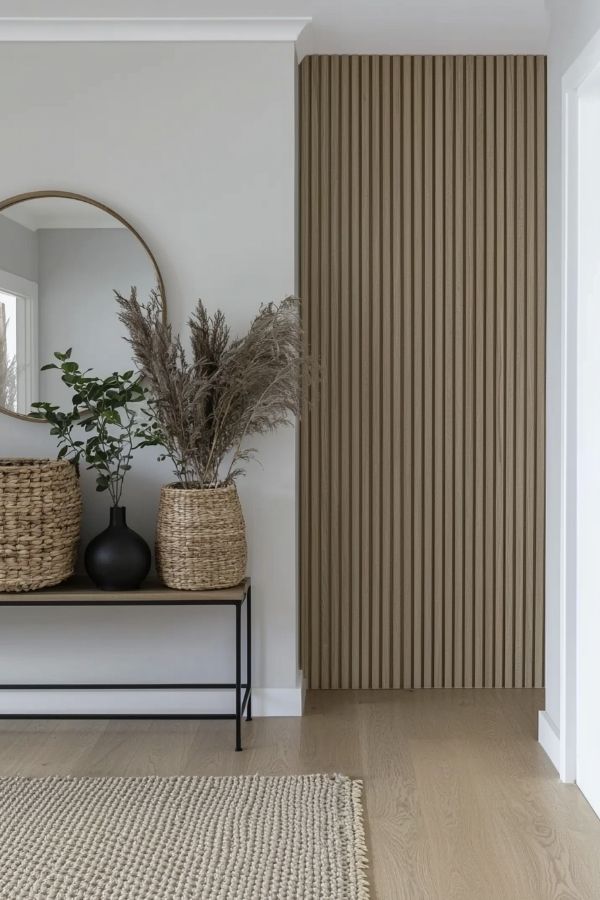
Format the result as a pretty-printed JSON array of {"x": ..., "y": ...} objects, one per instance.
[
  {"x": 249, "y": 653},
  {"x": 238, "y": 676}
]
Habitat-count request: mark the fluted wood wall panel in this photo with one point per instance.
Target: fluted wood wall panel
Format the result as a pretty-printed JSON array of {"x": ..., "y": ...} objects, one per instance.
[{"x": 422, "y": 446}]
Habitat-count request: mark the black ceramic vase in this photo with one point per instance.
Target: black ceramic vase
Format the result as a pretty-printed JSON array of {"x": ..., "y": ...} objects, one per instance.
[{"x": 117, "y": 559}]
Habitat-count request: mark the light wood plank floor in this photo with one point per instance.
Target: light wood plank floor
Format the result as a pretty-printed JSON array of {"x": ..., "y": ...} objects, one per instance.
[{"x": 461, "y": 801}]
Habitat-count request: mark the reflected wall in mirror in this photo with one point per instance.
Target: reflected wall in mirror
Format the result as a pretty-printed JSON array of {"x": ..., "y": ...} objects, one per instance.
[{"x": 62, "y": 256}]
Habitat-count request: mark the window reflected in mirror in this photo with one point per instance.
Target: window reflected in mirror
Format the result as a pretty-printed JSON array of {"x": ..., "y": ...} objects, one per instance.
[{"x": 19, "y": 380}]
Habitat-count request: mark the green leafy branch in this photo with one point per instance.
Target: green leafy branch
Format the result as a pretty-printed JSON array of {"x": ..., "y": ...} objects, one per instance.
[{"x": 108, "y": 411}]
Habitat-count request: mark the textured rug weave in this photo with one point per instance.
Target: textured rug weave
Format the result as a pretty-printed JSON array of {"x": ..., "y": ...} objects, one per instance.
[{"x": 184, "y": 838}]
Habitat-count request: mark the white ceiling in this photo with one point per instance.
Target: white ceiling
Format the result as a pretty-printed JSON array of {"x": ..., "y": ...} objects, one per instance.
[
  {"x": 425, "y": 26},
  {"x": 348, "y": 26}
]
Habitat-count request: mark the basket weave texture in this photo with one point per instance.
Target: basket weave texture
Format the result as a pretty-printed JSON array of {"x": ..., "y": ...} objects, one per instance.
[
  {"x": 200, "y": 538},
  {"x": 40, "y": 515}
]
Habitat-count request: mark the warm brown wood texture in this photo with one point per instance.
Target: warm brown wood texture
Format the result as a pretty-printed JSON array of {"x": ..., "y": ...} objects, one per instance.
[
  {"x": 81, "y": 591},
  {"x": 422, "y": 448}
]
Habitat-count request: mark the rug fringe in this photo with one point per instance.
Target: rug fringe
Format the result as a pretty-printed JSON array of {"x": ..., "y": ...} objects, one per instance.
[{"x": 362, "y": 853}]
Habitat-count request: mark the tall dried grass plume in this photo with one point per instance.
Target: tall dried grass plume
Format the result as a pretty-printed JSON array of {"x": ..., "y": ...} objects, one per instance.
[{"x": 206, "y": 403}]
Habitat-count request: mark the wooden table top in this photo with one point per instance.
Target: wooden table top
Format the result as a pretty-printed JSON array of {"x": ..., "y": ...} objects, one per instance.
[{"x": 80, "y": 591}]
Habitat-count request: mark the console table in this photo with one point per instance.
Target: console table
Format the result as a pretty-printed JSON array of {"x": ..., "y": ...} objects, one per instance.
[{"x": 80, "y": 593}]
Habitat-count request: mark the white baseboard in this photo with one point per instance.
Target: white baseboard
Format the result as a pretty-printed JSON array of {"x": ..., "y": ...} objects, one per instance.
[
  {"x": 265, "y": 702},
  {"x": 277, "y": 702},
  {"x": 549, "y": 738}
]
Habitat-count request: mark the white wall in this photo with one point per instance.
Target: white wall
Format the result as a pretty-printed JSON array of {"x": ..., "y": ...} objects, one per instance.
[
  {"x": 573, "y": 23},
  {"x": 588, "y": 447},
  {"x": 18, "y": 249},
  {"x": 195, "y": 145}
]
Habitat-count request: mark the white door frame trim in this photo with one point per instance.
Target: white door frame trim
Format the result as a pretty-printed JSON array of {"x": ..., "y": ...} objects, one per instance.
[
  {"x": 583, "y": 67},
  {"x": 88, "y": 29}
]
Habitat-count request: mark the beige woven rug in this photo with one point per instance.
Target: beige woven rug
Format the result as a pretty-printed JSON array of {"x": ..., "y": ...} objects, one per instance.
[{"x": 184, "y": 838}]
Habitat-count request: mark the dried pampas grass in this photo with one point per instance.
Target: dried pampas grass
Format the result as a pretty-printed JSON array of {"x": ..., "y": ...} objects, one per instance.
[{"x": 204, "y": 407}]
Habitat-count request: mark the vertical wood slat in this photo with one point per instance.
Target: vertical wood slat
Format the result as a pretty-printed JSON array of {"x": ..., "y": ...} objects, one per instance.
[
  {"x": 469, "y": 379},
  {"x": 520, "y": 351},
  {"x": 540, "y": 439},
  {"x": 510, "y": 583},
  {"x": 459, "y": 391},
  {"x": 355, "y": 376},
  {"x": 428, "y": 363},
  {"x": 489, "y": 651},
  {"x": 397, "y": 535},
  {"x": 389, "y": 388},
  {"x": 438, "y": 506},
  {"x": 422, "y": 261},
  {"x": 530, "y": 364},
  {"x": 480, "y": 304},
  {"x": 499, "y": 324},
  {"x": 449, "y": 258},
  {"x": 366, "y": 307},
  {"x": 406, "y": 302},
  {"x": 312, "y": 290},
  {"x": 345, "y": 326},
  {"x": 418, "y": 313},
  {"x": 324, "y": 426},
  {"x": 375, "y": 373},
  {"x": 305, "y": 448},
  {"x": 334, "y": 413}
]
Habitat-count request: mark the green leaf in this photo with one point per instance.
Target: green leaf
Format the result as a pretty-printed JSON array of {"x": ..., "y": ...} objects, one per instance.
[{"x": 101, "y": 408}]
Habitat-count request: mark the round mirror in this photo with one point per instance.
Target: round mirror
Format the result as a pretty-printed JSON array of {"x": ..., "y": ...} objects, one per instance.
[{"x": 62, "y": 256}]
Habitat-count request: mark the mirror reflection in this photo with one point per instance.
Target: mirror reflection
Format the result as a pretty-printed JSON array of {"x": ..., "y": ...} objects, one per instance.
[{"x": 60, "y": 261}]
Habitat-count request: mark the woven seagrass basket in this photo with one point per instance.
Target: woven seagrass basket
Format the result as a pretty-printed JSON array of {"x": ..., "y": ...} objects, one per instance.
[
  {"x": 200, "y": 538},
  {"x": 40, "y": 514}
]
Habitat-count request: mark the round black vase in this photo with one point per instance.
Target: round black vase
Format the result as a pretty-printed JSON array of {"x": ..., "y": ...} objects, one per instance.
[{"x": 117, "y": 559}]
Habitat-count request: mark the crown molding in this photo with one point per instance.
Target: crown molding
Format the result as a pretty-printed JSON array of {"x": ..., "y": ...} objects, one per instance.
[{"x": 85, "y": 29}]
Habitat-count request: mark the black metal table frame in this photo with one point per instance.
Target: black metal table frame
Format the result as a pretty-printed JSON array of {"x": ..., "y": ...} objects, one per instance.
[{"x": 243, "y": 703}]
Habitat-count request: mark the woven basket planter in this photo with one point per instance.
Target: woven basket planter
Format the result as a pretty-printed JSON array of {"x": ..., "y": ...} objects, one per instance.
[
  {"x": 200, "y": 538},
  {"x": 40, "y": 514}
]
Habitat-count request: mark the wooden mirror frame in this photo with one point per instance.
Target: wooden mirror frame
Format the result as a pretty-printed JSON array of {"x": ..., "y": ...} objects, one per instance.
[{"x": 68, "y": 195}]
